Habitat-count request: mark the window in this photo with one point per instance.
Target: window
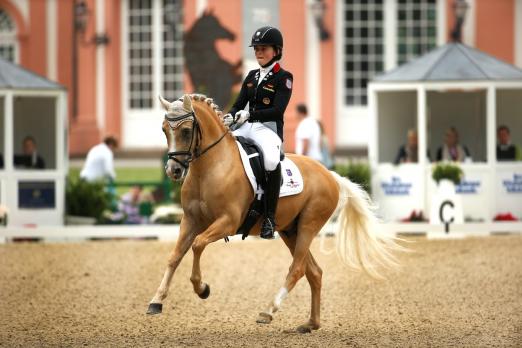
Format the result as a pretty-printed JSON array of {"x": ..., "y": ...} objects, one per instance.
[
  {"x": 416, "y": 28},
  {"x": 172, "y": 49},
  {"x": 142, "y": 30},
  {"x": 7, "y": 37},
  {"x": 364, "y": 47},
  {"x": 140, "y": 54}
]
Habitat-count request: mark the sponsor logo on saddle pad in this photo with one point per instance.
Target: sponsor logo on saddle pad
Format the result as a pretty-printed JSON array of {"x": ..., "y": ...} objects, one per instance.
[
  {"x": 291, "y": 183},
  {"x": 288, "y": 172}
]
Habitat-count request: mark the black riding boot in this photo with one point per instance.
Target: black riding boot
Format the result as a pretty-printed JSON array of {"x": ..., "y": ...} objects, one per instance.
[{"x": 272, "y": 195}]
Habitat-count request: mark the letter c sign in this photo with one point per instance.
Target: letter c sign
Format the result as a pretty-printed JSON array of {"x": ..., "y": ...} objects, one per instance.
[{"x": 441, "y": 214}]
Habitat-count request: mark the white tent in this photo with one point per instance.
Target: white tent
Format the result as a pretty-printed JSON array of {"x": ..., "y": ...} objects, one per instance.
[
  {"x": 31, "y": 105},
  {"x": 452, "y": 86}
]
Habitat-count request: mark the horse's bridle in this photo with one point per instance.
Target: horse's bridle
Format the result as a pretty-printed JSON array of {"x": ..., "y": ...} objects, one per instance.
[{"x": 191, "y": 155}]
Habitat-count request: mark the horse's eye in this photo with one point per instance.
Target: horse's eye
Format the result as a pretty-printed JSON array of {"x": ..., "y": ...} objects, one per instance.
[{"x": 185, "y": 133}]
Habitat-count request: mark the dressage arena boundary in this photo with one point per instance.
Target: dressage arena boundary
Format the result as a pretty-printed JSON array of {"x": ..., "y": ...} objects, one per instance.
[{"x": 170, "y": 232}]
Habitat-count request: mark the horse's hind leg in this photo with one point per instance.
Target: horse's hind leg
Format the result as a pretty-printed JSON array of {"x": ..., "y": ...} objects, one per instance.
[
  {"x": 314, "y": 276},
  {"x": 307, "y": 228},
  {"x": 185, "y": 239}
]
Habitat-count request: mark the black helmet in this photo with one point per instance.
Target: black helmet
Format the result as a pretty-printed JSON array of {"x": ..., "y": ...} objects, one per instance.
[{"x": 267, "y": 36}]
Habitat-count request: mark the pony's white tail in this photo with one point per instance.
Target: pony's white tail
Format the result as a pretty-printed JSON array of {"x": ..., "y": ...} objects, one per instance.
[{"x": 358, "y": 243}]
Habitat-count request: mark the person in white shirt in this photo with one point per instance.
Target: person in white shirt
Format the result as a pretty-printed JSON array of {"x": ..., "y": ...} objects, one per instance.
[
  {"x": 99, "y": 163},
  {"x": 307, "y": 135}
]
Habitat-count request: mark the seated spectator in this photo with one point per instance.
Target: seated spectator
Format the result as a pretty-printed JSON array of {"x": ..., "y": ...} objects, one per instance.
[
  {"x": 99, "y": 163},
  {"x": 408, "y": 153},
  {"x": 129, "y": 206},
  {"x": 452, "y": 150},
  {"x": 30, "y": 158},
  {"x": 506, "y": 151}
]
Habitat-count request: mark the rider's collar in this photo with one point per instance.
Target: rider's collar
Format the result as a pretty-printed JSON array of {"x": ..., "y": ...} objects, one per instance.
[{"x": 265, "y": 71}]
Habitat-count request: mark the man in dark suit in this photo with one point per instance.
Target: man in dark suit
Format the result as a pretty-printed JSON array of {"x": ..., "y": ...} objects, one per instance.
[
  {"x": 506, "y": 150},
  {"x": 30, "y": 158}
]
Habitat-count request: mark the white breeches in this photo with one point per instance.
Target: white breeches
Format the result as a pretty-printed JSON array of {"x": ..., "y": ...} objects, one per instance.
[{"x": 266, "y": 139}]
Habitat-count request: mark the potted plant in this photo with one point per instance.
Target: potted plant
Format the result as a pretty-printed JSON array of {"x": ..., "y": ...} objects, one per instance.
[
  {"x": 446, "y": 175},
  {"x": 447, "y": 171},
  {"x": 85, "y": 201}
]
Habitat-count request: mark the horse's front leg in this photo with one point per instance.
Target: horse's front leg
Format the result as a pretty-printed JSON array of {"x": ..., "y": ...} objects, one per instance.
[
  {"x": 220, "y": 228},
  {"x": 185, "y": 240}
]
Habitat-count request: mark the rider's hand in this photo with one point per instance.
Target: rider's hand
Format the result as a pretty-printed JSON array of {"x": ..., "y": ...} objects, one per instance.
[
  {"x": 228, "y": 119},
  {"x": 241, "y": 117}
]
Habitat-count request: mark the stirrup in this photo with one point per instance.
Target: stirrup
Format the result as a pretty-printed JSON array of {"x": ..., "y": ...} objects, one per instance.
[{"x": 267, "y": 229}]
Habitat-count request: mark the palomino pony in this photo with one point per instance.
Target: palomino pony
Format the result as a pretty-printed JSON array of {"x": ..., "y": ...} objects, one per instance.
[{"x": 216, "y": 195}]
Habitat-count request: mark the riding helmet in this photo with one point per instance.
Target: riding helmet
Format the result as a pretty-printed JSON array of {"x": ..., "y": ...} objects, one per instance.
[{"x": 268, "y": 36}]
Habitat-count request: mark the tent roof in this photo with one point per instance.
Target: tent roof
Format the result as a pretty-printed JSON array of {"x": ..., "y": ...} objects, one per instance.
[
  {"x": 13, "y": 76},
  {"x": 453, "y": 62}
]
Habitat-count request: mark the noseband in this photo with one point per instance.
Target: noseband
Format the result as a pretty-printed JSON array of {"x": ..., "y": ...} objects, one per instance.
[{"x": 190, "y": 155}]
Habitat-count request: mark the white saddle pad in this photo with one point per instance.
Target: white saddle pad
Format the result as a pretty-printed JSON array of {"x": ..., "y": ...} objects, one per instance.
[{"x": 292, "y": 178}]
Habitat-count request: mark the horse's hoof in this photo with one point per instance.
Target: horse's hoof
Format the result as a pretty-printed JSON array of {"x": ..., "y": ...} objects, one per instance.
[
  {"x": 304, "y": 329},
  {"x": 155, "y": 308},
  {"x": 264, "y": 318},
  {"x": 206, "y": 292},
  {"x": 307, "y": 328}
]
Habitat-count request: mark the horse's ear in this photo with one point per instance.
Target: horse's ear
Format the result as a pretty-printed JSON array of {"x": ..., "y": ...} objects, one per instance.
[
  {"x": 164, "y": 102},
  {"x": 187, "y": 103}
]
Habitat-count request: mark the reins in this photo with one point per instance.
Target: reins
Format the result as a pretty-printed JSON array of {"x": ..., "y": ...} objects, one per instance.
[{"x": 190, "y": 155}]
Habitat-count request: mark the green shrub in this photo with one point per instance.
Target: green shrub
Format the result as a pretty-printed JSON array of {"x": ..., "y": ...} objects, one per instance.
[
  {"x": 356, "y": 172},
  {"x": 448, "y": 171},
  {"x": 83, "y": 198}
]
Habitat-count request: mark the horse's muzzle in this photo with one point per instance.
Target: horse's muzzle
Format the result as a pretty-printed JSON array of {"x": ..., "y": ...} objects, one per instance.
[{"x": 174, "y": 170}]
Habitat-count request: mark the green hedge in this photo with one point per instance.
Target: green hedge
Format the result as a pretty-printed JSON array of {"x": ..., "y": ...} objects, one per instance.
[
  {"x": 356, "y": 172},
  {"x": 83, "y": 198}
]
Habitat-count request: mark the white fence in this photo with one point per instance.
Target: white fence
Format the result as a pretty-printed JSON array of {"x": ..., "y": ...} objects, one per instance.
[{"x": 170, "y": 232}]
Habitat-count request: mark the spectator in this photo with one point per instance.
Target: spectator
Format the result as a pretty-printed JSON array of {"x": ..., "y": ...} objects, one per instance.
[
  {"x": 326, "y": 156},
  {"x": 452, "y": 150},
  {"x": 99, "y": 163},
  {"x": 129, "y": 206},
  {"x": 307, "y": 135},
  {"x": 30, "y": 159},
  {"x": 506, "y": 151},
  {"x": 408, "y": 153}
]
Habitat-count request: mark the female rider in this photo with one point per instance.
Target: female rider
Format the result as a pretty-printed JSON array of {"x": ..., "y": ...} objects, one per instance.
[{"x": 267, "y": 91}]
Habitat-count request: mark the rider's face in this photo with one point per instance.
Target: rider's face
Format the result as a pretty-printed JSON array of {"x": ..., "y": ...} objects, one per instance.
[{"x": 264, "y": 53}]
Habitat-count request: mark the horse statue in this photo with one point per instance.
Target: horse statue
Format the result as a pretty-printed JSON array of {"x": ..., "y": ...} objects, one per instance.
[
  {"x": 208, "y": 71},
  {"x": 216, "y": 195}
]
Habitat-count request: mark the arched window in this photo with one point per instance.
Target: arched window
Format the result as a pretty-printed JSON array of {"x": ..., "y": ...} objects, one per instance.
[{"x": 8, "y": 41}]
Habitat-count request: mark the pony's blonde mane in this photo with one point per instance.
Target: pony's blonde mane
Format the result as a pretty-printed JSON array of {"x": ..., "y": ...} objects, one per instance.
[{"x": 208, "y": 101}]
